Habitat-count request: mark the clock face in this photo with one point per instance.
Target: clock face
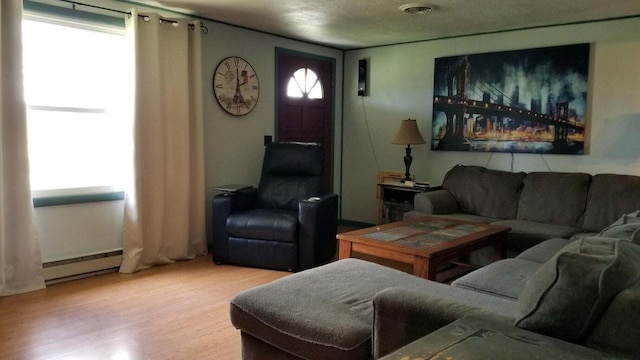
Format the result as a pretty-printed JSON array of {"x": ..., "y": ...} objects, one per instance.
[{"x": 236, "y": 86}]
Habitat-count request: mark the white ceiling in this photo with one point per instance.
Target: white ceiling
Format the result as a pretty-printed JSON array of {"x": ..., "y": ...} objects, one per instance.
[{"x": 349, "y": 24}]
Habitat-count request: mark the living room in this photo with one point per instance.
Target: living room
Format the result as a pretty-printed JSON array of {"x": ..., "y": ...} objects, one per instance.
[{"x": 400, "y": 84}]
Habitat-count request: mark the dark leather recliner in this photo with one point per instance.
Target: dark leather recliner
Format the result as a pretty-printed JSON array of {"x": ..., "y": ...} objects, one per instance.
[{"x": 287, "y": 223}]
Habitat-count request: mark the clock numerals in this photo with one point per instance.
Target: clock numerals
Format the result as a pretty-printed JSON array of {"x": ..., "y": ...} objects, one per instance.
[{"x": 236, "y": 86}]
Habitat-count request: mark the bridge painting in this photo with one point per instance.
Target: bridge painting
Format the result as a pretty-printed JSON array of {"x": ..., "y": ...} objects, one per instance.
[{"x": 522, "y": 101}]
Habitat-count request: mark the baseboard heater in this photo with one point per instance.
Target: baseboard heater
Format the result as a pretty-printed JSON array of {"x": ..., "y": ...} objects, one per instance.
[{"x": 82, "y": 267}]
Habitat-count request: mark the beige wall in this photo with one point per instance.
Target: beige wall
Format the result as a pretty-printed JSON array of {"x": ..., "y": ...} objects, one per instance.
[{"x": 401, "y": 83}]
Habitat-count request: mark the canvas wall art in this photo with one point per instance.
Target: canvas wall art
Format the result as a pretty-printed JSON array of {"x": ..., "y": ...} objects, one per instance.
[{"x": 521, "y": 101}]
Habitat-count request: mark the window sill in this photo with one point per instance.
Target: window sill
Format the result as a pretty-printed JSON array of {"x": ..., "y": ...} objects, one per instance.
[{"x": 75, "y": 196}]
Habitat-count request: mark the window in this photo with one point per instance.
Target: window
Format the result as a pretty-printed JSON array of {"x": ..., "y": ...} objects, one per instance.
[
  {"x": 78, "y": 101},
  {"x": 305, "y": 82}
]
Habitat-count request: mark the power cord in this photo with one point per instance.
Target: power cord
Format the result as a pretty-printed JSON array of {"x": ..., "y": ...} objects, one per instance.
[{"x": 366, "y": 123}]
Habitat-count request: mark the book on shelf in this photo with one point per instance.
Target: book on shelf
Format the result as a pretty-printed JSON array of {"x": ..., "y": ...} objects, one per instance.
[{"x": 421, "y": 184}]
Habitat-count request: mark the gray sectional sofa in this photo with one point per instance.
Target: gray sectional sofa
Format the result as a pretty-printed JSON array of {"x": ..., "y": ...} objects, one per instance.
[
  {"x": 581, "y": 290},
  {"x": 536, "y": 206}
]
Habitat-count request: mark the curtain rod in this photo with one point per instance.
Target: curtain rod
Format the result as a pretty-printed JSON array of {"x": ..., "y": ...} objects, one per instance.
[{"x": 204, "y": 29}]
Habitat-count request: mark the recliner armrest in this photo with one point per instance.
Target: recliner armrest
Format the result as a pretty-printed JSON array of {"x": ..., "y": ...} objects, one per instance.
[
  {"x": 318, "y": 217},
  {"x": 223, "y": 206},
  {"x": 437, "y": 202}
]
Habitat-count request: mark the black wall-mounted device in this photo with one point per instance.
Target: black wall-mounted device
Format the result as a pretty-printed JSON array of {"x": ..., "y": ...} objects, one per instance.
[{"x": 362, "y": 77}]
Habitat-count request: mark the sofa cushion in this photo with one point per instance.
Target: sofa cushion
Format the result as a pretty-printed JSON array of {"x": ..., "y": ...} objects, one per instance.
[
  {"x": 567, "y": 295},
  {"x": 544, "y": 251},
  {"x": 484, "y": 192},
  {"x": 626, "y": 228},
  {"x": 505, "y": 278},
  {"x": 525, "y": 234},
  {"x": 618, "y": 330},
  {"x": 610, "y": 196},
  {"x": 468, "y": 217},
  {"x": 554, "y": 198}
]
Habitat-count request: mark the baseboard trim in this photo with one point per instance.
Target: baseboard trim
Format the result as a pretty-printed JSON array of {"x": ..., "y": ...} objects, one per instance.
[
  {"x": 357, "y": 224},
  {"x": 85, "y": 266}
]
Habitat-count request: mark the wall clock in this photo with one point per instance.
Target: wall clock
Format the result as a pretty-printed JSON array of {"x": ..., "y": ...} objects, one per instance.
[{"x": 236, "y": 86}]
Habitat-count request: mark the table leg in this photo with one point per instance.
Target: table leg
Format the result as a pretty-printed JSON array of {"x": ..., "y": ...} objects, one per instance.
[
  {"x": 501, "y": 248},
  {"x": 344, "y": 250},
  {"x": 425, "y": 268}
]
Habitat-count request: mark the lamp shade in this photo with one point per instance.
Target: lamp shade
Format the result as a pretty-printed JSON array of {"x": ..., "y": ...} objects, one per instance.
[{"x": 408, "y": 134}]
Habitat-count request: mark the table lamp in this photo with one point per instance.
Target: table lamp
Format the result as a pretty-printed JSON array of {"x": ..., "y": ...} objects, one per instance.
[{"x": 408, "y": 134}]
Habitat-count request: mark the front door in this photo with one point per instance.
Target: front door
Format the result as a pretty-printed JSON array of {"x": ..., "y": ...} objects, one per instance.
[{"x": 305, "y": 102}]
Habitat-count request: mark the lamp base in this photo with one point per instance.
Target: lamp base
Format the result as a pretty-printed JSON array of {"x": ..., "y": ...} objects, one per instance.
[{"x": 407, "y": 164}]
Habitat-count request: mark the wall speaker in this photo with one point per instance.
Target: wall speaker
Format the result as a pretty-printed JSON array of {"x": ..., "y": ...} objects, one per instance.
[{"x": 362, "y": 77}]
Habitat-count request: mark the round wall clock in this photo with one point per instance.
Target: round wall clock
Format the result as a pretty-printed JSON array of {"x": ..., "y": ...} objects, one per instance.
[{"x": 236, "y": 86}]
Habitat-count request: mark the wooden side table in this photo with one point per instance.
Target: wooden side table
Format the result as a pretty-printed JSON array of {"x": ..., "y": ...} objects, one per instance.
[{"x": 394, "y": 197}]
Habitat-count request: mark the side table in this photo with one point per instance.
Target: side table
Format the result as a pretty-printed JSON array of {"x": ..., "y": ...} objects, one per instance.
[
  {"x": 231, "y": 188},
  {"x": 396, "y": 198}
]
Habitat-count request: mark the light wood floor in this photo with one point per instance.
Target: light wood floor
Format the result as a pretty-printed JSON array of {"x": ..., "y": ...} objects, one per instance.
[{"x": 177, "y": 311}]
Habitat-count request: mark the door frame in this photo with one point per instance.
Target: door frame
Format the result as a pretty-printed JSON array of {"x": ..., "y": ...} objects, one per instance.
[{"x": 278, "y": 52}]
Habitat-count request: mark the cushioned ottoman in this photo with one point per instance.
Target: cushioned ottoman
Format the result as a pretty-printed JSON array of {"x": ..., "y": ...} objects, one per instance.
[{"x": 323, "y": 313}]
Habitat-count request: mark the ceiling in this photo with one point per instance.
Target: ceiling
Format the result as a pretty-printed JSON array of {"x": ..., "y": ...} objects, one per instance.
[{"x": 348, "y": 24}]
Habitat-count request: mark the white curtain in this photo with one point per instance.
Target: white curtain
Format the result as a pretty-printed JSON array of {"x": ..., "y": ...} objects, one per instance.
[
  {"x": 165, "y": 206},
  {"x": 20, "y": 261}
]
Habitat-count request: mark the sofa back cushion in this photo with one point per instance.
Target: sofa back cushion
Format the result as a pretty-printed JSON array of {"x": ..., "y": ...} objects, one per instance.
[
  {"x": 569, "y": 293},
  {"x": 610, "y": 196},
  {"x": 554, "y": 198},
  {"x": 484, "y": 192}
]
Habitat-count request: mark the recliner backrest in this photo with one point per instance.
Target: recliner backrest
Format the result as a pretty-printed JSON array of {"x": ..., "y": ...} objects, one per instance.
[{"x": 290, "y": 172}]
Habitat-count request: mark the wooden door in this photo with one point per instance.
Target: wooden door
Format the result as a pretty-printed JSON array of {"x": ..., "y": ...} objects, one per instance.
[{"x": 305, "y": 102}]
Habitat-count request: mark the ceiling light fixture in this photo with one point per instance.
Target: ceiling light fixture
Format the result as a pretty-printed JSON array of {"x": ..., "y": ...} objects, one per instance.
[{"x": 416, "y": 8}]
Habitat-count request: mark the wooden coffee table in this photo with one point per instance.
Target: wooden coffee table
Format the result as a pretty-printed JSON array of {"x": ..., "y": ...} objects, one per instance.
[{"x": 425, "y": 242}]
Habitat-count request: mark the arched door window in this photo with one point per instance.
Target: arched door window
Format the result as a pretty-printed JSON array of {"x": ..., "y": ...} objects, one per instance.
[{"x": 305, "y": 82}]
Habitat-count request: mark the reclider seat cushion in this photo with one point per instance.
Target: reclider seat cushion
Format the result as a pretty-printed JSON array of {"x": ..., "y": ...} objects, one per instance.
[{"x": 264, "y": 224}]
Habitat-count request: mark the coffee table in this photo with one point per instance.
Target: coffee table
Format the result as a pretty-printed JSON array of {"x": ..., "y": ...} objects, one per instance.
[{"x": 425, "y": 242}]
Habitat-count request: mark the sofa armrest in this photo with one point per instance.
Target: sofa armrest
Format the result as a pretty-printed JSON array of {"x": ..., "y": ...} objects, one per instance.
[
  {"x": 401, "y": 316},
  {"x": 224, "y": 205},
  {"x": 318, "y": 219},
  {"x": 435, "y": 202}
]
